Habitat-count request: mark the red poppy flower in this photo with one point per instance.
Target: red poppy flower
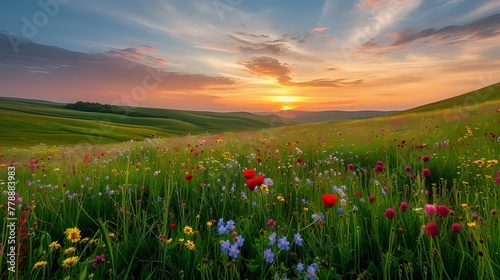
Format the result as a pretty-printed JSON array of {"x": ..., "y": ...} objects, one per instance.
[
  {"x": 252, "y": 183},
  {"x": 172, "y": 226},
  {"x": 432, "y": 229},
  {"x": 188, "y": 177},
  {"x": 299, "y": 160},
  {"x": 390, "y": 213},
  {"x": 249, "y": 173},
  {"x": 260, "y": 180},
  {"x": 442, "y": 211},
  {"x": 329, "y": 200}
]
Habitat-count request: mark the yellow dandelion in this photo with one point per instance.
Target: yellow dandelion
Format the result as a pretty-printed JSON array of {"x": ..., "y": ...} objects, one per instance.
[
  {"x": 69, "y": 250},
  {"x": 73, "y": 234},
  {"x": 55, "y": 245},
  {"x": 464, "y": 204},
  {"x": 190, "y": 245},
  {"x": 181, "y": 240},
  {"x": 169, "y": 240},
  {"x": 305, "y": 208},
  {"x": 111, "y": 234},
  {"x": 280, "y": 198},
  {"x": 264, "y": 188},
  {"x": 209, "y": 224},
  {"x": 57, "y": 169},
  {"x": 40, "y": 264},
  {"x": 69, "y": 262},
  {"x": 188, "y": 230},
  {"x": 473, "y": 224}
]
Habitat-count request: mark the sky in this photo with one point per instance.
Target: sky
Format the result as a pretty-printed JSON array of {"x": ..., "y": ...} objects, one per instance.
[{"x": 249, "y": 55}]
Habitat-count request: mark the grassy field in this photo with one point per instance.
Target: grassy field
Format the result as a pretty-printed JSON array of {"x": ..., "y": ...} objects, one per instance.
[
  {"x": 410, "y": 196},
  {"x": 26, "y": 123}
]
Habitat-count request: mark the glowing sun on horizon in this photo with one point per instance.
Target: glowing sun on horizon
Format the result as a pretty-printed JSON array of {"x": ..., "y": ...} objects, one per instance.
[{"x": 287, "y": 102}]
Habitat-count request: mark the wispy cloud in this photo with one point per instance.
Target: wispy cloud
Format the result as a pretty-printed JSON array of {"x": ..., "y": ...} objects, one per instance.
[{"x": 270, "y": 67}]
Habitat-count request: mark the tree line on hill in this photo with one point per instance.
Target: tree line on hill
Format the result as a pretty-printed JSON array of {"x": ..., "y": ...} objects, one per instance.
[{"x": 107, "y": 108}]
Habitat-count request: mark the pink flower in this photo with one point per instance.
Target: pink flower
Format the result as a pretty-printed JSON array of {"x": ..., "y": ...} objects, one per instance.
[
  {"x": 350, "y": 166},
  {"x": 498, "y": 180},
  {"x": 426, "y": 172},
  {"x": 425, "y": 158},
  {"x": 403, "y": 206},
  {"x": 401, "y": 230},
  {"x": 432, "y": 229},
  {"x": 430, "y": 209},
  {"x": 442, "y": 211},
  {"x": 408, "y": 168},
  {"x": 271, "y": 223},
  {"x": 390, "y": 213},
  {"x": 456, "y": 228},
  {"x": 371, "y": 198}
]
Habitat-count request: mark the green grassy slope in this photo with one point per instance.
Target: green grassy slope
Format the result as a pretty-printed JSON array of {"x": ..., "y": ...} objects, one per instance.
[
  {"x": 28, "y": 122},
  {"x": 489, "y": 93}
]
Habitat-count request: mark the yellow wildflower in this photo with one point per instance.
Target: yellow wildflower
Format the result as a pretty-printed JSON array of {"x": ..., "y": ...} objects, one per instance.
[
  {"x": 111, "y": 234},
  {"x": 73, "y": 234},
  {"x": 55, "y": 245},
  {"x": 69, "y": 250},
  {"x": 69, "y": 262},
  {"x": 190, "y": 245},
  {"x": 40, "y": 264},
  {"x": 209, "y": 224},
  {"x": 188, "y": 230},
  {"x": 169, "y": 240},
  {"x": 57, "y": 169},
  {"x": 464, "y": 204},
  {"x": 471, "y": 224},
  {"x": 264, "y": 188},
  {"x": 181, "y": 240},
  {"x": 280, "y": 198}
]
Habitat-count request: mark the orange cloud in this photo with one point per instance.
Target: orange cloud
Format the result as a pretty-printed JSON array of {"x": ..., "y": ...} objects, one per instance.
[{"x": 318, "y": 29}]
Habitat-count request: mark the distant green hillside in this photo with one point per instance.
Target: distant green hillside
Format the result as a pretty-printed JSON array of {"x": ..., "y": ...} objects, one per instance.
[
  {"x": 489, "y": 93},
  {"x": 28, "y": 122}
]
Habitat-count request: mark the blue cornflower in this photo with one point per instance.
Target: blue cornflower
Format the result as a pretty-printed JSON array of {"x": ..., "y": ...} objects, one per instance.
[
  {"x": 283, "y": 244},
  {"x": 300, "y": 267},
  {"x": 272, "y": 239},
  {"x": 222, "y": 230},
  {"x": 340, "y": 211},
  {"x": 315, "y": 217},
  {"x": 311, "y": 271},
  {"x": 239, "y": 241},
  {"x": 298, "y": 239},
  {"x": 225, "y": 246},
  {"x": 304, "y": 201},
  {"x": 269, "y": 255},
  {"x": 233, "y": 251},
  {"x": 254, "y": 203},
  {"x": 229, "y": 224},
  {"x": 383, "y": 192},
  {"x": 159, "y": 199},
  {"x": 221, "y": 223}
]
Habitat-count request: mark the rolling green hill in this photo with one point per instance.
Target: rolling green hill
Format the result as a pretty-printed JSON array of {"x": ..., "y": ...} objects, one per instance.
[
  {"x": 28, "y": 122},
  {"x": 489, "y": 93}
]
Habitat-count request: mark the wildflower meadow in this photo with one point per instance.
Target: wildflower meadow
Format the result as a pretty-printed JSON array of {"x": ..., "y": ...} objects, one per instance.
[{"x": 410, "y": 196}]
